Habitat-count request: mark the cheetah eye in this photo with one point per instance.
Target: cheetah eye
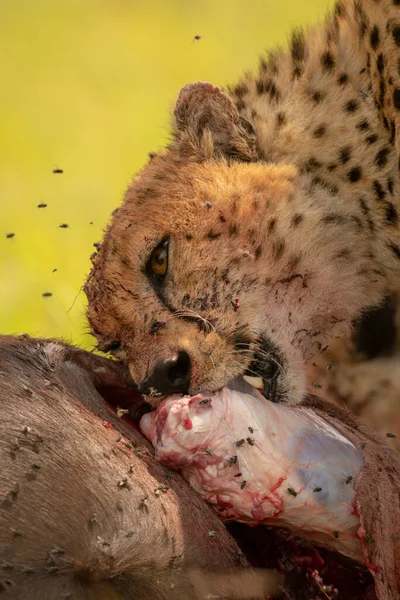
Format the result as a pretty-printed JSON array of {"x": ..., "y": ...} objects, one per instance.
[{"x": 157, "y": 265}]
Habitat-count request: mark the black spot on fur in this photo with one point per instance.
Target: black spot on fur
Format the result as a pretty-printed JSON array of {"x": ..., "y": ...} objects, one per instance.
[
  {"x": 291, "y": 278},
  {"x": 363, "y": 27},
  {"x": 189, "y": 237},
  {"x": 338, "y": 9},
  {"x": 260, "y": 87},
  {"x": 317, "y": 97},
  {"x": 298, "y": 46},
  {"x": 327, "y": 61},
  {"x": 363, "y": 125},
  {"x": 382, "y": 89},
  {"x": 351, "y": 106},
  {"x": 334, "y": 219},
  {"x": 311, "y": 164},
  {"x": 390, "y": 185},
  {"x": 297, "y": 219},
  {"x": 155, "y": 326},
  {"x": 371, "y": 139},
  {"x": 278, "y": 249},
  {"x": 332, "y": 167},
  {"x": 233, "y": 229},
  {"x": 396, "y": 34},
  {"x": 240, "y": 90},
  {"x": 254, "y": 114},
  {"x": 375, "y": 332},
  {"x": 294, "y": 261},
  {"x": 344, "y": 253},
  {"x": 378, "y": 189},
  {"x": 366, "y": 212},
  {"x": 382, "y": 157},
  {"x": 345, "y": 155},
  {"x": 379, "y": 63},
  {"x": 361, "y": 18},
  {"x": 212, "y": 235},
  {"x": 281, "y": 118},
  {"x": 319, "y": 131},
  {"x": 354, "y": 174},
  {"x": 357, "y": 221},
  {"x": 374, "y": 37},
  {"x": 271, "y": 225},
  {"x": 297, "y": 72},
  {"x": 343, "y": 79},
  {"x": 258, "y": 252},
  {"x": 391, "y": 215},
  {"x": 364, "y": 206},
  {"x": 274, "y": 92},
  {"x": 273, "y": 63},
  {"x": 395, "y": 249},
  {"x": 392, "y": 131},
  {"x": 396, "y": 98}
]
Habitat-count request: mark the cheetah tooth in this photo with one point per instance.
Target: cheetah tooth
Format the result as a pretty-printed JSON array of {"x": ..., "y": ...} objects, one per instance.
[{"x": 255, "y": 382}]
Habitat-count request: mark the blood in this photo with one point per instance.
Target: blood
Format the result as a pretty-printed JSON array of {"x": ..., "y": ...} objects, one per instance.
[
  {"x": 188, "y": 423},
  {"x": 309, "y": 573},
  {"x": 160, "y": 422},
  {"x": 273, "y": 498},
  {"x": 373, "y": 568}
]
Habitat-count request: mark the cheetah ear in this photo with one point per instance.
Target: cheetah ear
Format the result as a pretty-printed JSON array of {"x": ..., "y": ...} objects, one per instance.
[{"x": 207, "y": 123}]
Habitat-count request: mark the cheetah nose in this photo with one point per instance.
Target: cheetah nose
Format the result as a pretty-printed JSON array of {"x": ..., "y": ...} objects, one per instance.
[{"x": 168, "y": 377}]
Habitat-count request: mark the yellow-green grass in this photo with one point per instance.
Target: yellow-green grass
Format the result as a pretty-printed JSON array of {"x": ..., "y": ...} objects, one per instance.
[{"x": 88, "y": 86}]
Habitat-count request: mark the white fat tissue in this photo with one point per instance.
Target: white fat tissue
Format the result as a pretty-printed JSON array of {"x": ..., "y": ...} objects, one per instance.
[{"x": 259, "y": 462}]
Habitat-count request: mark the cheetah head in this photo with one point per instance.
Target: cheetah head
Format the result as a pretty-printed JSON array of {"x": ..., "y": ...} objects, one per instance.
[{"x": 204, "y": 274}]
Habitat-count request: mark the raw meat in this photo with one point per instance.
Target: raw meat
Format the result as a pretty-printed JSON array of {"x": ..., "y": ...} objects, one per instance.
[{"x": 260, "y": 462}]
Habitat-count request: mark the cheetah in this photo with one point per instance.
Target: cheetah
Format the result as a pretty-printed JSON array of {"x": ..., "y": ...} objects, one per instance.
[{"x": 268, "y": 224}]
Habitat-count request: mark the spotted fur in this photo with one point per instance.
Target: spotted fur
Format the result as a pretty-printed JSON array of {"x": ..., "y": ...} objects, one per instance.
[{"x": 362, "y": 373}]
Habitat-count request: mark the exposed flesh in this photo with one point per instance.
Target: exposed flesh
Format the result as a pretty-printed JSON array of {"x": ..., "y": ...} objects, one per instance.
[{"x": 260, "y": 462}]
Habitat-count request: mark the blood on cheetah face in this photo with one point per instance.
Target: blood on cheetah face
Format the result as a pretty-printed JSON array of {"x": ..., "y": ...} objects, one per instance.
[{"x": 203, "y": 276}]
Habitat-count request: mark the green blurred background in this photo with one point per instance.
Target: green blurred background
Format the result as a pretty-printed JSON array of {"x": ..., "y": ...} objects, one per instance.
[{"x": 87, "y": 86}]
